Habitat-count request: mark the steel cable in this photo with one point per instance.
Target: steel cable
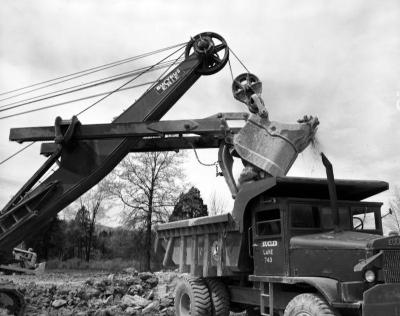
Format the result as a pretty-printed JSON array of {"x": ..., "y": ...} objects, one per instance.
[
  {"x": 81, "y": 87},
  {"x": 16, "y": 153},
  {"x": 73, "y": 100},
  {"x": 87, "y": 108},
  {"x": 107, "y": 95},
  {"x": 84, "y": 72},
  {"x": 129, "y": 81},
  {"x": 239, "y": 60}
]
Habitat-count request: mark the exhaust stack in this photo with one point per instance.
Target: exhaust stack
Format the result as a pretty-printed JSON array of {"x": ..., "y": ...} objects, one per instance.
[{"x": 332, "y": 190}]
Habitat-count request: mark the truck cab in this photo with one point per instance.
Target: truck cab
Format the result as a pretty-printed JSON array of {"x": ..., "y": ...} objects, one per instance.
[
  {"x": 288, "y": 231},
  {"x": 295, "y": 238}
]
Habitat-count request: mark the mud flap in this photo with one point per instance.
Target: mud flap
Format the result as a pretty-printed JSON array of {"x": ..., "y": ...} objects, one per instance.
[{"x": 382, "y": 299}]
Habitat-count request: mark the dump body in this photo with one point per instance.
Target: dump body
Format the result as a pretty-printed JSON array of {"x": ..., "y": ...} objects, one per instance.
[{"x": 205, "y": 246}]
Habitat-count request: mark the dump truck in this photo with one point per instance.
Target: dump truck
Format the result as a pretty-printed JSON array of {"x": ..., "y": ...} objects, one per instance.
[{"x": 286, "y": 249}]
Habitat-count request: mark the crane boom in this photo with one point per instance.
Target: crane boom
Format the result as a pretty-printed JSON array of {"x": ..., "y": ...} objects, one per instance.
[{"x": 82, "y": 163}]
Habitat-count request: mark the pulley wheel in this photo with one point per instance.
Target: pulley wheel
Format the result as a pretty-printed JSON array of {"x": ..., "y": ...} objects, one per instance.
[
  {"x": 245, "y": 85},
  {"x": 212, "y": 49}
]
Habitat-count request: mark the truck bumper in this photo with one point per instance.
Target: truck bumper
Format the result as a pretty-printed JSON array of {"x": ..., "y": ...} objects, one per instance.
[{"x": 382, "y": 299}]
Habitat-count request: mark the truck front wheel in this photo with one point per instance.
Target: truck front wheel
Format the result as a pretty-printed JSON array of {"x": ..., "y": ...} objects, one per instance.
[
  {"x": 192, "y": 297},
  {"x": 309, "y": 304}
]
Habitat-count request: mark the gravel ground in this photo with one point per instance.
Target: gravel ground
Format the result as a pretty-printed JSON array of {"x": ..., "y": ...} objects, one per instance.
[{"x": 96, "y": 293}]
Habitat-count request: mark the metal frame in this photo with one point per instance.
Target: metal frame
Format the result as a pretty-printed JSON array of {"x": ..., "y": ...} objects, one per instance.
[{"x": 82, "y": 163}]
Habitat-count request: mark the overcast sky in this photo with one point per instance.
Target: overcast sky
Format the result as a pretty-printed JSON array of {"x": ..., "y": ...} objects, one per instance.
[{"x": 338, "y": 60}]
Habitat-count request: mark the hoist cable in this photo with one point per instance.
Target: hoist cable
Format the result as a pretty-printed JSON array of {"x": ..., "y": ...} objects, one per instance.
[
  {"x": 87, "y": 108},
  {"x": 107, "y": 95},
  {"x": 84, "y": 72},
  {"x": 16, "y": 153},
  {"x": 230, "y": 68},
  {"x": 80, "y": 87},
  {"x": 238, "y": 59},
  {"x": 73, "y": 100},
  {"x": 129, "y": 81}
]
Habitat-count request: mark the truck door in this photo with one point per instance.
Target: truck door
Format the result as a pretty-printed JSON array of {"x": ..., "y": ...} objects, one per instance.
[{"x": 268, "y": 248}]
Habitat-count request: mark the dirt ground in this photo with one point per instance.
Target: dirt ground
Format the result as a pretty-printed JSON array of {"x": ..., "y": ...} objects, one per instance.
[{"x": 84, "y": 293}]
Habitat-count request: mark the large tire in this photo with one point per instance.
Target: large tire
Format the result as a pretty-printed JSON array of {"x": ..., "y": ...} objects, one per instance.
[
  {"x": 12, "y": 300},
  {"x": 192, "y": 297},
  {"x": 220, "y": 301},
  {"x": 309, "y": 304}
]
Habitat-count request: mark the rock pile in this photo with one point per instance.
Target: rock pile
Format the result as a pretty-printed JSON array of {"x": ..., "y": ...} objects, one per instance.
[{"x": 116, "y": 294}]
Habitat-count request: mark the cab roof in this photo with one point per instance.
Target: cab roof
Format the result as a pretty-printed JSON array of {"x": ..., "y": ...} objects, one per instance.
[
  {"x": 307, "y": 188},
  {"x": 317, "y": 188}
]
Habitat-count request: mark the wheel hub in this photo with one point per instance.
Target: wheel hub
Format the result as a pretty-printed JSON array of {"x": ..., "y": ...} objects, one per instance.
[
  {"x": 212, "y": 51},
  {"x": 184, "y": 306},
  {"x": 203, "y": 45}
]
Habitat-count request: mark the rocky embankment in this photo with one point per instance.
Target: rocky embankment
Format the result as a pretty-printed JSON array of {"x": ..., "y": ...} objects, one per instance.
[{"x": 126, "y": 293}]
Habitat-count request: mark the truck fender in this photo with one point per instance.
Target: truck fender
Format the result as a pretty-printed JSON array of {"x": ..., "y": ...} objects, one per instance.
[{"x": 325, "y": 286}]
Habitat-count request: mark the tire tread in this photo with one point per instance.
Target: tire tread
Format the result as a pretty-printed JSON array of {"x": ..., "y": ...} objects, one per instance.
[
  {"x": 313, "y": 303},
  {"x": 201, "y": 303},
  {"x": 220, "y": 300}
]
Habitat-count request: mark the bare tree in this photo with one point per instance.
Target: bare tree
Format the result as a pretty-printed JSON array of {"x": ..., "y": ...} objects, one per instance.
[
  {"x": 92, "y": 207},
  {"x": 216, "y": 204},
  {"x": 392, "y": 220},
  {"x": 148, "y": 185}
]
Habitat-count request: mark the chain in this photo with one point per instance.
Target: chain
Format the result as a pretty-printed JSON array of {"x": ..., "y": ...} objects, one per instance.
[{"x": 216, "y": 163}]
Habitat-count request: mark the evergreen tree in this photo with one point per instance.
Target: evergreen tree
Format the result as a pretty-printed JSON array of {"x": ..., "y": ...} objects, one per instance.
[{"x": 189, "y": 205}]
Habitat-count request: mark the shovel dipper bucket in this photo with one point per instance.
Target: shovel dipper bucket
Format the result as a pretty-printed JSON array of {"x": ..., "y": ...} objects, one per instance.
[{"x": 273, "y": 146}]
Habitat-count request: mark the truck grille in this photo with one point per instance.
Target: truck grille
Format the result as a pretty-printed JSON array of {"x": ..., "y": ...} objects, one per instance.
[{"x": 391, "y": 266}]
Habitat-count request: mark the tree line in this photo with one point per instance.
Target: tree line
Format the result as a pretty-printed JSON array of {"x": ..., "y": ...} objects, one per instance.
[{"x": 148, "y": 188}]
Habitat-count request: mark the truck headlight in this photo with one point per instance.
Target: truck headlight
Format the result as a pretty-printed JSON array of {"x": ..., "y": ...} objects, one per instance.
[{"x": 369, "y": 276}]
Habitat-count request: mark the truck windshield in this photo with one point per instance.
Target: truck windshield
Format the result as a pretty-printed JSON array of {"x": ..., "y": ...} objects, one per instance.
[{"x": 317, "y": 217}]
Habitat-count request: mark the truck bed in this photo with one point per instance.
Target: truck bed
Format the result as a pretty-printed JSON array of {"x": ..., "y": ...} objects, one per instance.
[{"x": 205, "y": 246}]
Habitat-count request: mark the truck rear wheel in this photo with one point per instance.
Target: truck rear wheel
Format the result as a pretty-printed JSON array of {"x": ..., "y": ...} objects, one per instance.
[
  {"x": 219, "y": 297},
  {"x": 192, "y": 297},
  {"x": 309, "y": 304}
]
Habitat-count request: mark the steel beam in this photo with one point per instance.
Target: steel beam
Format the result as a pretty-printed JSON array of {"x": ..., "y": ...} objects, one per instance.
[
  {"x": 121, "y": 130},
  {"x": 157, "y": 144}
]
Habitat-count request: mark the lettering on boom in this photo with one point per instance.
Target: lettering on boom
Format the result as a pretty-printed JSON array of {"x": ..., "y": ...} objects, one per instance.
[{"x": 168, "y": 81}]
